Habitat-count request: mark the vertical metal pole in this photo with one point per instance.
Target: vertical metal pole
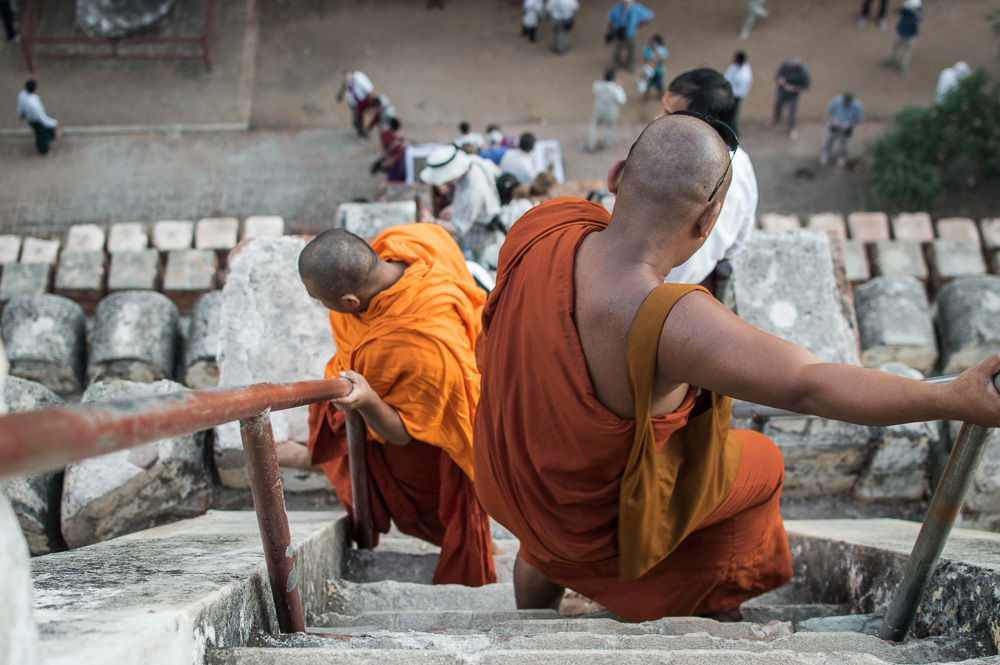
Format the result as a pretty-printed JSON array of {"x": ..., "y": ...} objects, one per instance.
[
  {"x": 357, "y": 453},
  {"x": 941, "y": 515},
  {"x": 269, "y": 502}
]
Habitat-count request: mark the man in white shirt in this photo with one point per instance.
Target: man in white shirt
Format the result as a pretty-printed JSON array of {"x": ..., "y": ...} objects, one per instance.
[
  {"x": 706, "y": 91},
  {"x": 740, "y": 78},
  {"x": 560, "y": 21},
  {"x": 517, "y": 161},
  {"x": 358, "y": 88},
  {"x": 608, "y": 98},
  {"x": 31, "y": 109}
]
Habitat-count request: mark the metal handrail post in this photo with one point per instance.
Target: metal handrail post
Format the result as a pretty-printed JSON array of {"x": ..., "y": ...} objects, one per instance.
[
  {"x": 357, "y": 455},
  {"x": 269, "y": 503},
  {"x": 941, "y": 515}
]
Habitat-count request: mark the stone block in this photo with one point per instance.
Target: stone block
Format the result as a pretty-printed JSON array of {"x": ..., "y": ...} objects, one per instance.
[
  {"x": 216, "y": 233},
  {"x": 369, "y": 219},
  {"x": 856, "y": 262},
  {"x": 169, "y": 235},
  {"x": 35, "y": 499},
  {"x": 10, "y": 249},
  {"x": 969, "y": 321},
  {"x": 84, "y": 238},
  {"x": 399, "y": 191},
  {"x": 120, "y": 18},
  {"x": 45, "y": 338},
  {"x": 24, "y": 279},
  {"x": 949, "y": 259},
  {"x": 18, "y": 631},
  {"x": 81, "y": 277},
  {"x": 957, "y": 228},
  {"x": 201, "y": 367},
  {"x": 135, "y": 270},
  {"x": 39, "y": 250},
  {"x": 895, "y": 323},
  {"x": 984, "y": 494},
  {"x": 263, "y": 301},
  {"x": 894, "y": 258},
  {"x": 130, "y": 490},
  {"x": 868, "y": 226},
  {"x": 135, "y": 338},
  {"x": 263, "y": 226},
  {"x": 190, "y": 274},
  {"x": 990, "y": 230},
  {"x": 773, "y": 221},
  {"x": 784, "y": 284},
  {"x": 822, "y": 457},
  {"x": 913, "y": 227},
  {"x": 993, "y": 260},
  {"x": 127, "y": 237},
  {"x": 830, "y": 222}
]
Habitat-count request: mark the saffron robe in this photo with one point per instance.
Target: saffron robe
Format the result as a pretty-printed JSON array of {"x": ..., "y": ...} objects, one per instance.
[
  {"x": 415, "y": 347},
  {"x": 552, "y": 462}
]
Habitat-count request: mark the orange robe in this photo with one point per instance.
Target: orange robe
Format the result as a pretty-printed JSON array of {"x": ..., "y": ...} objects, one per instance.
[
  {"x": 414, "y": 345},
  {"x": 551, "y": 459}
]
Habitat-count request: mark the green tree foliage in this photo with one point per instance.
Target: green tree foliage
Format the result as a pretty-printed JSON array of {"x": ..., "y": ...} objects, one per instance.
[{"x": 949, "y": 145}]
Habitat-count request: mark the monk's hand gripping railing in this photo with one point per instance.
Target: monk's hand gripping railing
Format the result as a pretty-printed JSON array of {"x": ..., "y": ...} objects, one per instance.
[{"x": 51, "y": 438}]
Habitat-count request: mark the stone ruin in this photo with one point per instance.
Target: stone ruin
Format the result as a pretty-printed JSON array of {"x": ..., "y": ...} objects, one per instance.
[{"x": 120, "y": 18}]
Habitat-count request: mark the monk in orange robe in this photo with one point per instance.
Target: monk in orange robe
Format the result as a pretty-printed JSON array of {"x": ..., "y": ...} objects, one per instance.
[
  {"x": 405, "y": 313},
  {"x": 602, "y": 435}
]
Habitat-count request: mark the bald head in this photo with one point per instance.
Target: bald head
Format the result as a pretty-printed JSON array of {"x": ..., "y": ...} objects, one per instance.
[
  {"x": 673, "y": 167},
  {"x": 337, "y": 262}
]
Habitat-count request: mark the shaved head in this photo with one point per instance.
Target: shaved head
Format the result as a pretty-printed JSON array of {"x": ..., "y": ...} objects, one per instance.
[{"x": 336, "y": 263}]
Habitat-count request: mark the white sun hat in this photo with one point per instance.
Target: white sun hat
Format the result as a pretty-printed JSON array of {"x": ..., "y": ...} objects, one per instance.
[{"x": 445, "y": 164}]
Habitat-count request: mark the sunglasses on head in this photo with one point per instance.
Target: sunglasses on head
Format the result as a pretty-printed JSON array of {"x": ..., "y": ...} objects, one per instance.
[{"x": 728, "y": 136}]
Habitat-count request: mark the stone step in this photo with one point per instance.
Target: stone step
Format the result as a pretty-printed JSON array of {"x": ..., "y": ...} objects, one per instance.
[
  {"x": 345, "y": 597},
  {"x": 365, "y": 566}
]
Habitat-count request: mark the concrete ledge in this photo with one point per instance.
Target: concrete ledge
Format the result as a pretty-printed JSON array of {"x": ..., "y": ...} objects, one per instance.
[{"x": 164, "y": 595}]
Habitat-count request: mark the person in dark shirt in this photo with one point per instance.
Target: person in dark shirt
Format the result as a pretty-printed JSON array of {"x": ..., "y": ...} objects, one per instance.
[
  {"x": 792, "y": 79},
  {"x": 910, "y": 16}
]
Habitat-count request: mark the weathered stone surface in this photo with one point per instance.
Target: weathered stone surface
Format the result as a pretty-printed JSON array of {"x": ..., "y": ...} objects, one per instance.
[
  {"x": 913, "y": 226},
  {"x": 969, "y": 321},
  {"x": 202, "y": 353},
  {"x": 773, "y": 221},
  {"x": 868, "y": 226},
  {"x": 35, "y": 499},
  {"x": 263, "y": 301},
  {"x": 216, "y": 233},
  {"x": 120, "y": 18},
  {"x": 830, "y": 222},
  {"x": 129, "y": 490},
  {"x": 135, "y": 337},
  {"x": 856, "y": 262},
  {"x": 370, "y": 219},
  {"x": 84, "y": 238},
  {"x": 81, "y": 277},
  {"x": 171, "y": 234},
  {"x": 135, "y": 270},
  {"x": 895, "y": 323},
  {"x": 954, "y": 258},
  {"x": 784, "y": 284},
  {"x": 19, "y": 644},
  {"x": 957, "y": 228},
  {"x": 893, "y": 258},
  {"x": 990, "y": 230},
  {"x": 822, "y": 456},
  {"x": 263, "y": 226},
  {"x": 24, "y": 280},
  {"x": 984, "y": 494},
  {"x": 127, "y": 237},
  {"x": 39, "y": 250},
  {"x": 190, "y": 273},
  {"x": 45, "y": 340},
  {"x": 10, "y": 249}
]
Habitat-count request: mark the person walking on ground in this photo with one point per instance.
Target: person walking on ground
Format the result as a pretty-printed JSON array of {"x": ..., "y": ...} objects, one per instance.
[
  {"x": 531, "y": 14},
  {"x": 845, "y": 112},
  {"x": 561, "y": 14},
  {"x": 31, "y": 109},
  {"x": 910, "y": 16},
  {"x": 624, "y": 21},
  {"x": 883, "y": 25},
  {"x": 382, "y": 112},
  {"x": 755, "y": 10},
  {"x": 792, "y": 80},
  {"x": 609, "y": 96},
  {"x": 7, "y": 16},
  {"x": 740, "y": 78},
  {"x": 358, "y": 89},
  {"x": 654, "y": 66}
]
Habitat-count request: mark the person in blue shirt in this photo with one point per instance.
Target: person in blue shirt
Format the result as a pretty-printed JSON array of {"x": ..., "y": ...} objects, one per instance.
[
  {"x": 624, "y": 21},
  {"x": 845, "y": 112},
  {"x": 910, "y": 16}
]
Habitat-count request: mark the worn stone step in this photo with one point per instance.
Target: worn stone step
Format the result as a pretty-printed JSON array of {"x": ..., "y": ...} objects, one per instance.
[
  {"x": 376, "y": 566},
  {"x": 424, "y": 620},
  {"x": 345, "y": 597},
  {"x": 792, "y": 613}
]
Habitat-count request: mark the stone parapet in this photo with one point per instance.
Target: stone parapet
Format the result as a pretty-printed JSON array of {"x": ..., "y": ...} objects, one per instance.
[
  {"x": 895, "y": 324},
  {"x": 45, "y": 339},
  {"x": 135, "y": 338},
  {"x": 969, "y": 321}
]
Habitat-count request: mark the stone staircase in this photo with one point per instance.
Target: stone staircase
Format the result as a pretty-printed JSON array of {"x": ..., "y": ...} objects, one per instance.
[{"x": 383, "y": 609}]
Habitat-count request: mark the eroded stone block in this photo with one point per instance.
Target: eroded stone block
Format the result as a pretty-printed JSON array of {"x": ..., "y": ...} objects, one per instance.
[
  {"x": 10, "y": 249},
  {"x": 81, "y": 277},
  {"x": 120, "y": 18},
  {"x": 369, "y": 219},
  {"x": 822, "y": 456},
  {"x": 84, "y": 238},
  {"x": 954, "y": 258},
  {"x": 190, "y": 274},
  {"x": 773, "y": 221},
  {"x": 895, "y": 323},
  {"x": 913, "y": 227},
  {"x": 134, "y": 270},
  {"x": 957, "y": 228},
  {"x": 39, "y": 250},
  {"x": 894, "y": 258},
  {"x": 216, "y": 233},
  {"x": 830, "y": 222},
  {"x": 856, "y": 262},
  {"x": 171, "y": 234},
  {"x": 127, "y": 237},
  {"x": 202, "y": 353},
  {"x": 868, "y": 226},
  {"x": 135, "y": 338},
  {"x": 45, "y": 340},
  {"x": 24, "y": 280},
  {"x": 969, "y": 321},
  {"x": 990, "y": 230},
  {"x": 263, "y": 226}
]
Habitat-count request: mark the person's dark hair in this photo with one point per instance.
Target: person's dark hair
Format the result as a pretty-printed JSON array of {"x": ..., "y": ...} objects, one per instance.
[
  {"x": 506, "y": 183},
  {"x": 464, "y": 127},
  {"x": 376, "y": 103},
  {"x": 30, "y": 85},
  {"x": 490, "y": 128},
  {"x": 527, "y": 142},
  {"x": 657, "y": 39},
  {"x": 740, "y": 57},
  {"x": 609, "y": 73},
  {"x": 395, "y": 124},
  {"x": 848, "y": 98},
  {"x": 706, "y": 91}
]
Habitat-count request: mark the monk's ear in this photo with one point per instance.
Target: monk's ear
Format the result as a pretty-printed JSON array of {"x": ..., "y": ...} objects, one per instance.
[
  {"x": 707, "y": 218},
  {"x": 349, "y": 303},
  {"x": 615, "y": 175}
]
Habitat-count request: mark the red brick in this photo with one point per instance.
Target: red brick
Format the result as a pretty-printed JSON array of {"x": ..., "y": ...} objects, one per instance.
[
  {"x": 868, "y": 226},
  {"x": 830, "y": 222}
]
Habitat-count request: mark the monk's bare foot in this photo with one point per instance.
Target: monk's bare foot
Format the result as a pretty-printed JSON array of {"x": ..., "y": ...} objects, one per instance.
[
  {"x": 576, "y": 603},
  {"x": 295, "y": 455},
  {"x": 727, "y": 617}
]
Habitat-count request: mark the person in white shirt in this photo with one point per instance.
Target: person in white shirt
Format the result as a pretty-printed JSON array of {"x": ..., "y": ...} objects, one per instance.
[
  {"x": 949, "y": 79},
  {"x": 740, "y": 78},
  {"x": 469, "y": 137},
  {"x": 31, "y": 109},
  {"x": 706, "y": 91},
  {"x": 518, "y": 162},
  {"x": 560, "y": 22},
  {"x": 609, "y": 96},
  {"x": 531, "y": 15},
  {"x": 358, "y": 88}
]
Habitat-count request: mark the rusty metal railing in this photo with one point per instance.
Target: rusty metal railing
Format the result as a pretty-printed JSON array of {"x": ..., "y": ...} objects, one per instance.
[{"x": 51, "y": 438}]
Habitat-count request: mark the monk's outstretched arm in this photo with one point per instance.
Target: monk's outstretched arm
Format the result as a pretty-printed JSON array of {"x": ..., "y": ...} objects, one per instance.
[
  {"x": 704, "y": 344},
  {"x": 380, "y": 416}
]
